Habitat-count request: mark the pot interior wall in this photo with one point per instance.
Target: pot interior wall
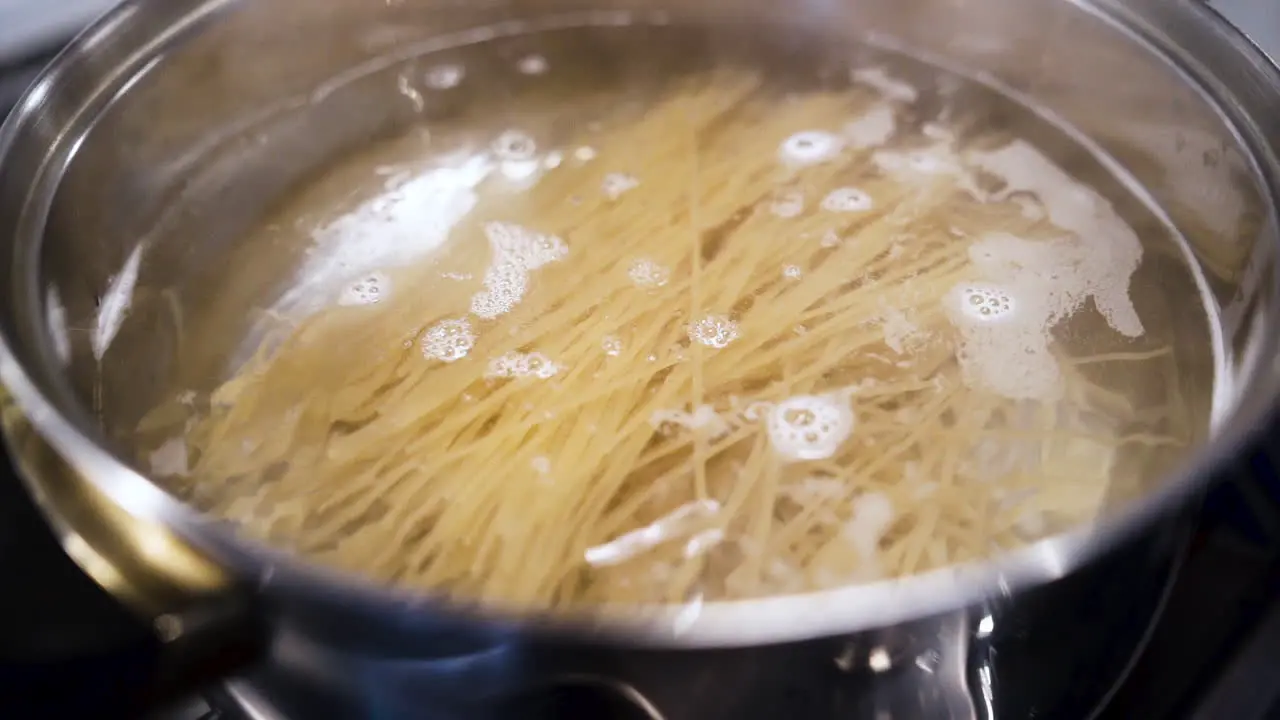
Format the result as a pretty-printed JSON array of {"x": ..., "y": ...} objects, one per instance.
[{"x": 177, "y": 144}]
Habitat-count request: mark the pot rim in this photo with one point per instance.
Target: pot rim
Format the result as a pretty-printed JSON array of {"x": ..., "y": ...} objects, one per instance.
[{"x": 715, "y": 624}]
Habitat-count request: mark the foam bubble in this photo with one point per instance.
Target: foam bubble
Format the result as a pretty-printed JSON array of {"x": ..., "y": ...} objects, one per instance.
[
  {"x": 810, "y": 427},
  {"x": 714, "y": 331},
  {"x": 541, "y": 465},
  {"x": 448, "y": 340},
  {"x": 846, "y": 200},
  {"x": 368, "y": 290},
  {"x": 553, "y": 160},
  {"x": 615, "y": 184},
  {"x": 788, "y": 204},
  {"x": 890, "y": 87},
  {"x": 516, "y": 252},
  {"x": 984, "y": 303},
  {"x": 515, "y": 145},
  {"x": 1099, "y": 259},
  {"x": 612, "y": 345},
  {"x": 1005, "y": 341},
  {"x": 810, "y": 147},
  {"x": 586, "y": 153},
  {"x": 648, "y": 274},
  {"x": 532, "y": 65},
  {"x": 444, "y": 77},
  {"x": 792, "y": 272},
  {"x": 522, "y": 365},
  {"x": 830, "y": 239}
]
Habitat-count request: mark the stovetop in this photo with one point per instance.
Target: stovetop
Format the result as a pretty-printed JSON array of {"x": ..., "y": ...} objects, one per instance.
[{"x": 1213, "y": 654}]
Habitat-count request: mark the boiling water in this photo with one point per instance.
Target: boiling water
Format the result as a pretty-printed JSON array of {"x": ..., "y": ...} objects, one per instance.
[{"x": 645, "y": 314}]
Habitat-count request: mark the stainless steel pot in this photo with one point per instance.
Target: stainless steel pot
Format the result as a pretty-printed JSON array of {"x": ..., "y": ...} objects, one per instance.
[{"x": 172, "y": 124}]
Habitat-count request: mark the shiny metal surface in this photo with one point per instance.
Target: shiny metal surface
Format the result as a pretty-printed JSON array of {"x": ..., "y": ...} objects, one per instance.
[{"x": 155, "y": 128}]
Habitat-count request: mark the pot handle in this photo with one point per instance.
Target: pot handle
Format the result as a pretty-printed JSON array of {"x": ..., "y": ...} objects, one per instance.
[{"x": 115, "y": 618}]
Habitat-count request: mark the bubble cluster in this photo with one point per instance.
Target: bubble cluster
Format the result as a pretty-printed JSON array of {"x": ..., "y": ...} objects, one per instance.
[
  {"x": 516, "y": 252},
  {"x": 612, "y": 345},
  {"x": 788, "y": 204},
  {"x": 532, "y": 65},
  {"x": 984, "y": 303},
  {"x": 792, "y": 272},
  {"x": 448, "y": 340},
  {"x": 847, "y": 199},
  {"x": 615, "y": 184},
  {"x": 714, "y": 331},
  {"x": 1005, "y": 340},
  {"x": 810, "y": 427},
  {"x": 444, "y": 77},
  {"x": 810, "y": 147},
  {"x": 368, "y": 290},
  {"x": 648, "y": 274},
  {"x": 514, "y": 145},
  {"x": 521, "y": 365},
  {"x": 830, "y": 239}
]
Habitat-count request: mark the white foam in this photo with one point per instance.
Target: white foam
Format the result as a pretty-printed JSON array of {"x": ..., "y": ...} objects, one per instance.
[
  {"x": 409, "y": 221},
  {"x": 715, "y": 331},
  {"x": 810, "y": 427},
  {"x": 847, "y": 200},
  {"x": 788, "y": 204},
  {"x": 792, "y": 272},
  {"x": 448, "y": 340},
  {"x": 810, "y": 147},
  {"x": 1005, "y": 340},
  {"x": 368, "y": 290},
  {"x": 879, "y": 79},
  {"x": 115, "y": 303},
  {"x": 873, "y": 129},
  {"x": 612, "y": 345},
  {"x": 516, "y": 252},
  {"x": 1035, "y": 284},
  {"x": 1101, "y": 257},
  {"x": 648, "y": 274},
  {"x": 522, "y": 365},
  {"x": 616, "y": 184}
]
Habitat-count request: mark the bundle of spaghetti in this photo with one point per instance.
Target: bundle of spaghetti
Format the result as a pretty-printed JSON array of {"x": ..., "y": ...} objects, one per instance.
[{"x": 611, "y": 433}]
